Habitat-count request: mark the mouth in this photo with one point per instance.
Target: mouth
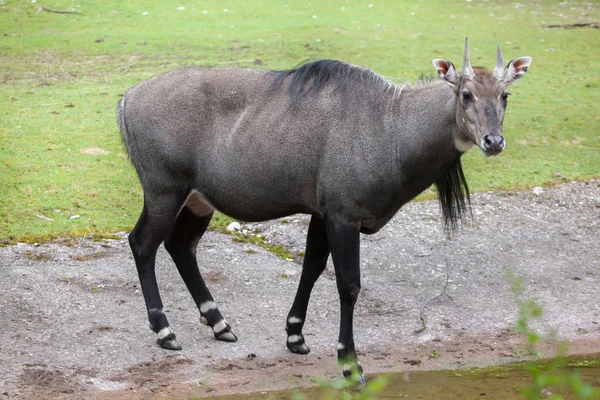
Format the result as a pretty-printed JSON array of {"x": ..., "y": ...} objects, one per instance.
[{"x": 491, "y": 152}]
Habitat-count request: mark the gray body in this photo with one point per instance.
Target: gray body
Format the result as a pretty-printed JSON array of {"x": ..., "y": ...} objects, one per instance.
[
  {"x": 249, "y": 152},
  {"x": 328, "y": 139}
]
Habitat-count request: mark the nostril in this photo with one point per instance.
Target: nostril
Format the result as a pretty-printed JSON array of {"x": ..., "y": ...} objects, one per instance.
[{"x": 487, "y": 141}]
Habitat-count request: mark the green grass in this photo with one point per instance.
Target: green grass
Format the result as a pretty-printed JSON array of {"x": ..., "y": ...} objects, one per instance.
[{"x": 61, "y": 76}]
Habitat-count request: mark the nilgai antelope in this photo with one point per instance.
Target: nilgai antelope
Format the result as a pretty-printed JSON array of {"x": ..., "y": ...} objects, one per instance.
[{"x": 329, "y": 139}]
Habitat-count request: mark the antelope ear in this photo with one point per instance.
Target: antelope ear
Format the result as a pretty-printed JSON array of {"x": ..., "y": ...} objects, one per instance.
[
  {"x": 516, "y": 69},
  {"x": 446, "y": 71}
]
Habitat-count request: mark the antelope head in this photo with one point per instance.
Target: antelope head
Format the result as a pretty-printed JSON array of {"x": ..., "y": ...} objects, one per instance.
[{"x": 481, "y": 98}]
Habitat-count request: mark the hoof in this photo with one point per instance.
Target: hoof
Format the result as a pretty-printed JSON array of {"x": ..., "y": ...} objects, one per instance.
[
  {"x": 362, "y": 381},
  {"x": 227, "y": 336},
  {"x": 166, "y": 339},
  {"x": 298, "y": 348},
  {"x": 169, "y": 344},
  {"x": 295, "y": 343},
  {"x": 355, "y": 373}
]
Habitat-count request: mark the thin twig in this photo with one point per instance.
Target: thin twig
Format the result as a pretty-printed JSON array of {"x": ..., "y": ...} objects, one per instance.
[
  {"x": 60, "y": 11},
  {"x": 42, "y": 216},
  {"x": 576, "y": 25},
  {"x": 422, "y": 314}
]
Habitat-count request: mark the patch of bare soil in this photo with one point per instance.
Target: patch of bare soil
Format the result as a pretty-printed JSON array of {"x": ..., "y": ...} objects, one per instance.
[
  {"x": 153, "y": 375},
  {"x": 43, "y": 381},
  {"x": 74, "y": 322},
  {"x": 254, "y": 374},
  {"x": 95, "y": 151}
]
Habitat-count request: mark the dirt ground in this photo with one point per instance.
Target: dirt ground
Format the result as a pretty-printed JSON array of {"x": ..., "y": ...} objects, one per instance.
[{"x": 74, "y": 324}]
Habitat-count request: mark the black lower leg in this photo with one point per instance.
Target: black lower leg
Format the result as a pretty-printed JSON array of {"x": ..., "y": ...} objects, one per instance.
[
  {"x": 344, "y": 243},
  {"x": 181, "y": 245},
  {"x": 315, "y": 260},
  {"x": 144, "y": 240}
]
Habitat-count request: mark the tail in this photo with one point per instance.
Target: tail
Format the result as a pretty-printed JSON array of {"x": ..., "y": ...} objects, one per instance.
[
  {"x": 123, "y": 125},
  {"x": 128, "y": 139}
]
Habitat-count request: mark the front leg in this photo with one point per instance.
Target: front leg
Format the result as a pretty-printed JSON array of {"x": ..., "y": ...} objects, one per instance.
[
  {"x": 344, "y": 243},
  {"x": 315, "y": 261}
]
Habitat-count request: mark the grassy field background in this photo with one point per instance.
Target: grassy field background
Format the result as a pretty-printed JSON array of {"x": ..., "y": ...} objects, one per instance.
[{"x": 63, "y": 170}]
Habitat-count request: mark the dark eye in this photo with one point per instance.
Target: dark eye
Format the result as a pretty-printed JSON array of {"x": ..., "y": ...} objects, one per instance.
[
  {"x": 466, "y": 94},
  {"x": 505, "y": 96}
]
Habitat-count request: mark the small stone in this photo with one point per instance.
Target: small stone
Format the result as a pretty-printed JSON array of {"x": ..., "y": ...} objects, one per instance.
[
  {"x": 560, "y": 176},
  {"x": 234, "y": 227},
  {"x": 538, "y": 190}
]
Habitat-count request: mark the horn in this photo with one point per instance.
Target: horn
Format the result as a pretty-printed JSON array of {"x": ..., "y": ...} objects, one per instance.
[
  {"x": 499, "y": 69},
  {"x": 467, "y": 71}
]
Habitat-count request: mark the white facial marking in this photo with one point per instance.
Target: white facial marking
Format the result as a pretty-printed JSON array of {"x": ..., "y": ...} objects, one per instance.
[
  {"x": 341, "y": 346},
  {"x": 207, "y": 306},
  {"x": 220, "y": 326},
  {"x": 294, "y": 338},
  {"x": 164, "y": 332},
  {"x": 294, "y": 320}
]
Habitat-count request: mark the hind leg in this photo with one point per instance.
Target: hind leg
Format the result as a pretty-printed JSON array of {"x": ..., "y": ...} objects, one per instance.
[
  {"x": 156, "y": 221},
  {"x": 181, "y": 245}
]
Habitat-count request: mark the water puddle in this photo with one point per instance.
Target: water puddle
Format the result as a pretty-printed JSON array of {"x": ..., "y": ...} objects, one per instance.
[{"x": 497, "y": 383}]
